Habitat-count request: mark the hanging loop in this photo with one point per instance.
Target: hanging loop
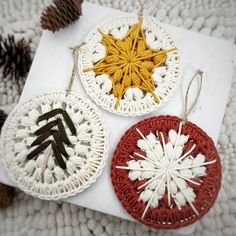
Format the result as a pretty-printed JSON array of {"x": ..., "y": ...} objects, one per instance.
[
  {"x": 141, "y": 3},
  {"x": 187, "y": 109},
  {"x": 75, "y": 53}
]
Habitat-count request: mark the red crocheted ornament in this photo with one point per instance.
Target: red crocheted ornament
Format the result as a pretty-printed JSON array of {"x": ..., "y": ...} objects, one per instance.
[{"x": 168, "y": 214}]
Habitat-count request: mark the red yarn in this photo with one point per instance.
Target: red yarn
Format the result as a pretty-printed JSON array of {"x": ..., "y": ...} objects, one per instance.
[{"x": 127, "y": 191}]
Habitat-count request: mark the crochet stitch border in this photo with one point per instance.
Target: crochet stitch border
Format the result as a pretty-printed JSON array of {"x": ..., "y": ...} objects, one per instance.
[
  {"x": 7, "y": 162},
  {"x": 126, "y": 108},
  {"x": 126, "y": 190}
]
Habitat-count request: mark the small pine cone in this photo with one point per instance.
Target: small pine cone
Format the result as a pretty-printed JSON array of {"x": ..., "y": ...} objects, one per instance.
[
  {"x": 3, "y": 117},
  {"x": 14, "y": 57},
  {"x": 60, "y": 14},
  {"x": 7, "y": 195}
]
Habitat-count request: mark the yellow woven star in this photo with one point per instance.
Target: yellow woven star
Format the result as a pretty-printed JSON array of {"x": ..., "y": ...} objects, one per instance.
[{"x": 129, "y": 62}]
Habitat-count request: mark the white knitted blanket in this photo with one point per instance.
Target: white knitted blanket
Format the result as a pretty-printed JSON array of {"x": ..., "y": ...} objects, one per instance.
[{"x": 29, "y": 216}]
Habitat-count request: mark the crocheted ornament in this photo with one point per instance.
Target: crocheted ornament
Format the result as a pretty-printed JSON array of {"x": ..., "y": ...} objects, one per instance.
[
  {"x": 54, "y": 145},
  {"x": 130, "y": 66},
  {"x": 165, "y": 172}
]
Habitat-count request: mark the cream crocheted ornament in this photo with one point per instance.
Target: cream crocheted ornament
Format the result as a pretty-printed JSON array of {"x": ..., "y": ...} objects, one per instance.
[
  {"x": 135, "y": 100},
  {"x": 54, "y": 145}
]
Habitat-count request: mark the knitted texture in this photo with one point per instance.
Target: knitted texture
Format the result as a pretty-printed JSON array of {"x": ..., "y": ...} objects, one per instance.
[
  {"x": 32, "y": 216},
  {"x": 167, "y": 180}
]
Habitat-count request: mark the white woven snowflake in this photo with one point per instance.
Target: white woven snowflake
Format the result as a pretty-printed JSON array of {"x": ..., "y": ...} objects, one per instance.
[{"x": 167, "y": 169}]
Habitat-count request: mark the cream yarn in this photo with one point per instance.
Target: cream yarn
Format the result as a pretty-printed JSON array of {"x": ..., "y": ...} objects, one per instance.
[
  {"x": 134, "y": 102},
  {"x": 86, "y": 154}
]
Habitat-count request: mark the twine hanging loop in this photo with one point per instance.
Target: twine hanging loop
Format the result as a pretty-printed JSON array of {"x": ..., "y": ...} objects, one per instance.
[
  {"x": 141, "y": 3},
  {"x": 75, "y": 53},
  {"x": 187, "y": 110}
]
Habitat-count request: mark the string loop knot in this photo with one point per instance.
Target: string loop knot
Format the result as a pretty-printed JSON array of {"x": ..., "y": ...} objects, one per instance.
[
  {"x": 75, "y": 54},
  {"x": 187, "y": 109}
]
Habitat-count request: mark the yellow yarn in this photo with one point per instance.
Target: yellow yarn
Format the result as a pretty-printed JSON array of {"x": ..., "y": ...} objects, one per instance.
[{"x": 130, "y": 62}]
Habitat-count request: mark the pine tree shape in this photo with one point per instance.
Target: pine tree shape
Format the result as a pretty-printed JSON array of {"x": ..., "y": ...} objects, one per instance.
[{"x": 59, "y": 136}]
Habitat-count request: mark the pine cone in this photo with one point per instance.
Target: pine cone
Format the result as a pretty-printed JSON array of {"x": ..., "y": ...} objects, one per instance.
[
  {"x": 7, "y": 195},
  {"x": 14, "y": 57},
  {"x": 3, "y": 117},
  {"x": 61, "y": 14}
]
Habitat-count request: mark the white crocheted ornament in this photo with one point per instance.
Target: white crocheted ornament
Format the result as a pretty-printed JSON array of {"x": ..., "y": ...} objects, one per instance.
[
  {"x": 135, "y": 100},
  {"x": 54, "y": 145}
]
